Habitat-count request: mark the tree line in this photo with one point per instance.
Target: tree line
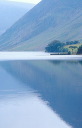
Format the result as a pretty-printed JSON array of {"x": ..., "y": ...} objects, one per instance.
[{"x": 57, "y": 46}]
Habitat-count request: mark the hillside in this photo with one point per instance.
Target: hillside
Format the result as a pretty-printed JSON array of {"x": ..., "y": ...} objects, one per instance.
[
  {"x": 10, "y": 12},
  {"x": 47, "y": 21}
]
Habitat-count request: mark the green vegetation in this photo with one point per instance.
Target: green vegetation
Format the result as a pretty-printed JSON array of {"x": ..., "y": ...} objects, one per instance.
[
  {"x": 72, "y": 42},
  {"x": 71, "y": 47},
  {"x": 79, "y": 50},
  {"x": 55, "y": 46}
]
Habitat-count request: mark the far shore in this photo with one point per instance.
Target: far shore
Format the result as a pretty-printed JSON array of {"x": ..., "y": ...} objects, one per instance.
[{"x": 36, "y": 56}]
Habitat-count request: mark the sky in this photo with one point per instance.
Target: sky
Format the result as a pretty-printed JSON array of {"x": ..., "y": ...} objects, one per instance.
[{"x": 27, "y": 1}]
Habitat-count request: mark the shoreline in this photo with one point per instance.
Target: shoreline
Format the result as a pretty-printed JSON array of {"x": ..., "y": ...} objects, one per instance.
[{"x": 36, "y": 56}]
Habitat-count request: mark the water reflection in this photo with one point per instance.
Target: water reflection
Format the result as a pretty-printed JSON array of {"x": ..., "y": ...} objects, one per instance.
[{"x": 58, "y": 83}]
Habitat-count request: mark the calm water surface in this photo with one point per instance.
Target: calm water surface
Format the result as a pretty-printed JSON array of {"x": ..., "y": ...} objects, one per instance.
[{"x": 41, "y": 94}]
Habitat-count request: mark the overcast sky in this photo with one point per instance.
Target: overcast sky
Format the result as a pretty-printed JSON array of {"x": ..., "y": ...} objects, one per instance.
[{"x": 27, "y": 1}]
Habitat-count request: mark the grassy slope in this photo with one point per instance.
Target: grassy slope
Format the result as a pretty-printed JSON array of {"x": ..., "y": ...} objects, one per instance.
[
  {"x": 74, "y": 50},
  {"x": 72, "y": 30},
  {"x": 47, "y": 21}
]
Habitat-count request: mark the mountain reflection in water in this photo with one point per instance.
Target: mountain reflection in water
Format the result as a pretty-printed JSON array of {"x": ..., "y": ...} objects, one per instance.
[{"x": 58, "y": 82}]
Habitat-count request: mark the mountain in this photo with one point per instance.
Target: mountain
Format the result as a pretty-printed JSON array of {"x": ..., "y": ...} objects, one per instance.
[
  {"x": 47, "y": 21},
  {"x": 10, "y": 12}
]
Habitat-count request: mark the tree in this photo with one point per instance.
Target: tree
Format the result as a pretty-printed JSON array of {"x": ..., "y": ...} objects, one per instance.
[
  {"x": 72, "y": 42},
  {"x": 73, "y": 47},
  {"x": 54, "y": 46},
  {"x": 69, "y": 53},
  {"x": 79, "y": 50}
]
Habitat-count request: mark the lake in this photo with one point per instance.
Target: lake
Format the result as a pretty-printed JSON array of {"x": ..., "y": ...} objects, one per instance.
[{"x": 41, "y": 94}]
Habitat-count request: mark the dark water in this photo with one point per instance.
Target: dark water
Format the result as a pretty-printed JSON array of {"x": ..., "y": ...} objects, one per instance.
[{"x": 41, "y": 94}]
